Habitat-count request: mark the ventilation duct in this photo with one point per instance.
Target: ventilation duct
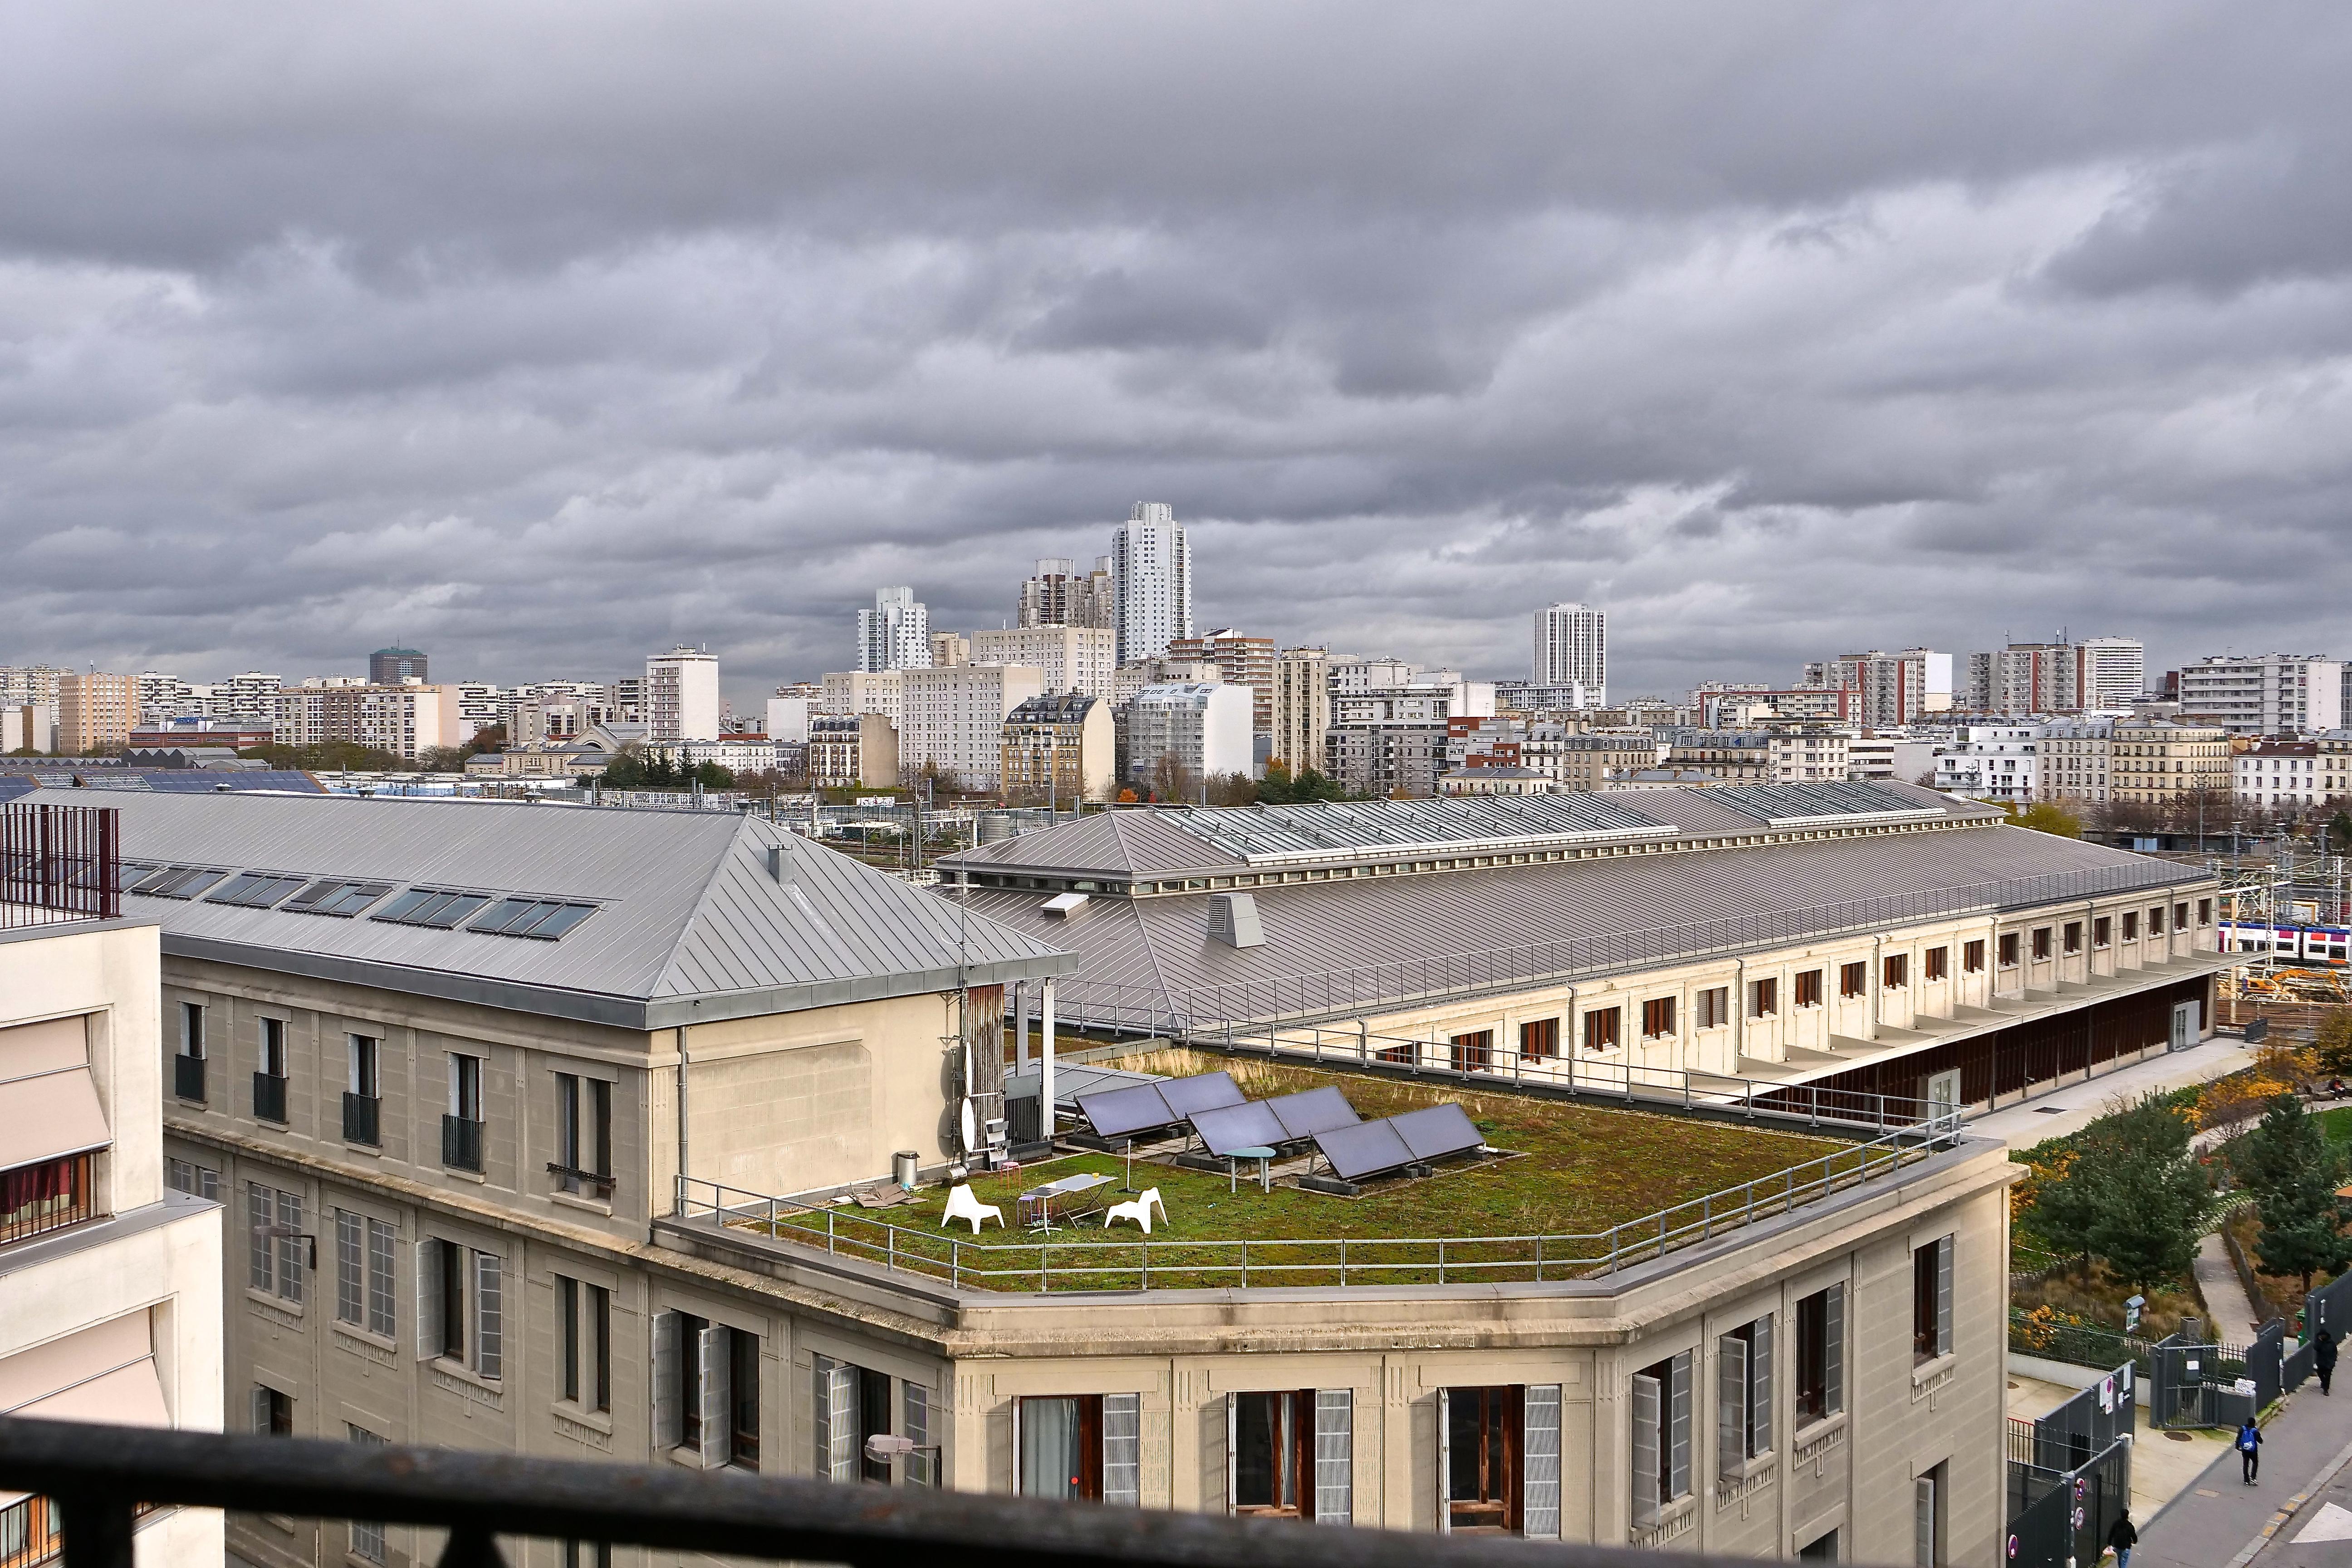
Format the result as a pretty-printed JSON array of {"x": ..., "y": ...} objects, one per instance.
[
  {"x": 1064, "y": 905},
  {"x": 1232, "y": 920}
]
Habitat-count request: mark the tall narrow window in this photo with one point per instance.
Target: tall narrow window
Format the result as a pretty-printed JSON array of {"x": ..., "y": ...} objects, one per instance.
[
  {"x": 367, "y": 1535},
  {"x": 461, "y": 1126},
  {"x": 1658, "y": 1018},
  {"x": 1820, "y": 1354},
  {"x": 921, "y": 1465},
  {"x": 1854, "y": 980},
  {"x": 362, "y": 1093},
  {"x": 1809, "y": 988},
  {"x": 584, "y": 1134},
  {"x": 1601, "y": 1029},
  {"x": 2041, "y": 944},
  {"x": 1931, "y": 1300},
  {"x": 269, "y": 1072},
  {"x": 1540, "y": 1039},
  {"x": 2074, "y": 936},
  {"x": 2131, "y": 925},
  {"x": 1743, "y": 1404},
  {"x": 567, "y": 1334},
  {"x": 1662, "y": 1422},
  {"x": 1714, "y": 1008},
  {"x": 2009, "y": 950},
  {"x": 279, "y": 1249},
  {"x": 188, "y": 1063}
]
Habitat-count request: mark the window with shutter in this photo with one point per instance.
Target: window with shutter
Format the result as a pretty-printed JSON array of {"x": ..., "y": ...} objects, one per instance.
[
  {"x": 915, "y": 1417},
  {"x": 1923, "y": 1520},
  {"x": 1944, "y": 1344},
  {"x": 841, "y": 1426},
  {"x": 380, "y": 1235},
  {"x": 351, "y": 1266},
  {"x": 1539, "y": 1457},
  {"x": 1730, "y": 1404},
  {"x": 260, "y": 1214},
  {"x": 429, "y": 1293},
  {"x": 710, "y": 1394},
  {"x": 290, "y": 1246},
  {"x": 489, "y": 1338},
  {"x": 1649, "y": 1490},
  {"x": 667, "y": 1434},
  {"x": 1122, "y": 1439},
  {"x": 1759, "y": 1388},
  {"x": 1834, "y": 1348},
  {"x": 1335, "y": 1455},
  {"x": 1678, "y": 1428}
]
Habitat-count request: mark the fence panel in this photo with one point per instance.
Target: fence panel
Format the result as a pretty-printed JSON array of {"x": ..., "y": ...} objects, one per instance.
[{"x": 2060, "y": 1519}]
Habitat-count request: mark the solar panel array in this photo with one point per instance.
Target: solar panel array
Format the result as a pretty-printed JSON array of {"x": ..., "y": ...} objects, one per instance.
[
  {"x": 1376, "y": 1148},
  {"x": 1269, "y": 1124},
  {"x": 1261, "y": 831},
  {"x": 1835, "y": 797},
  {"x": 1121, "y": 1112}
]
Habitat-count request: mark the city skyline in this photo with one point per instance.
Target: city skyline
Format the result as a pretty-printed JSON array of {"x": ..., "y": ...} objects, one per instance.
[{"x": 1761, "y": 369}]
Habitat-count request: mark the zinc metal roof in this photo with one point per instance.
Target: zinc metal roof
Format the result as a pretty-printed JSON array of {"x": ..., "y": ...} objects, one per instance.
[
  {"x": 690, "y": 924},
  {"x": 1156, "y": 953}
]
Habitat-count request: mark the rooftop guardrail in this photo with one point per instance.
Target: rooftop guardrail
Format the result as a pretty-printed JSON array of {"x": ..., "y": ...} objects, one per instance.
[{"x": 60, "y": 863}]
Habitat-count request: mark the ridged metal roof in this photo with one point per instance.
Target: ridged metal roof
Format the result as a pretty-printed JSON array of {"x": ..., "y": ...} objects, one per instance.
[
  {"x": 1157, "y": 951},
  {"x": 691, "y": 921}
]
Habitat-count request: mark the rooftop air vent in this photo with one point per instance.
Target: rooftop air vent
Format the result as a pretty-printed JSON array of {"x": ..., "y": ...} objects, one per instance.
[
  {"x": 1232, "y": 920},
  {"x": 1062, "y": 905}
]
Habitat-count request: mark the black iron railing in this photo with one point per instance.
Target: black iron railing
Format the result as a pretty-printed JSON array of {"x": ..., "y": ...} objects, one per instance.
[
  {"x": 99, "y": 1475},
  {"x": 59, "y": 860},
  {"x": 361, "y": 1119},
  {"x": 188, "y": 1077},
  {"x": 268, "y": 1097},
  {"x": 461, "y": 1143}
]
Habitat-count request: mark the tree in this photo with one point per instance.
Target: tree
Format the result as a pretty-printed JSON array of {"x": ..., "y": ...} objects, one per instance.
[
  {"x": 2134, "y": 1195},
  {"x": 443, "y": 759},
  {"x": 2045, "y": 817},
  {"x": 1173, "y": 781},
  {"x": 2292, "y": 1172},
  {"x": 2340, "y": 832},
  {"x": 330, "y": 757},
  {"x": 1232, "y": 789},
  {"x": 489, "y": 738},
  {"x": 2331, "y": 1047},
  {"x": 1282, "y": 787}
]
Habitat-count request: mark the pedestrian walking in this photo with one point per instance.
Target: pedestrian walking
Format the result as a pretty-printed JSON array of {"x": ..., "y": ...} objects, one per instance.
[
  {"x": 2323, "y": 1359},
  {"x": 2121, "y": 1538},
  {"x": 2250, "y": 1449}
]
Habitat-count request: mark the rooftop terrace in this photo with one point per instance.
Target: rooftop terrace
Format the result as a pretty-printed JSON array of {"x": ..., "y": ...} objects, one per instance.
[{"x": 1575, "y": 1188}]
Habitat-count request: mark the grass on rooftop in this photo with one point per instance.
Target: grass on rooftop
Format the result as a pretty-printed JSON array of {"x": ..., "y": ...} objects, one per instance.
[{"x": 1579, "y": 1170}]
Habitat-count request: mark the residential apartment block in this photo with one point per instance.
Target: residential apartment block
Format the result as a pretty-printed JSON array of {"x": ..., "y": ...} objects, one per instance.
[
  {"x": 1299, "y": 711},
  {"x": 1203, "y": 728},
  {"x": 96, "y": 712},
  {"x": 953, "y": 719},
  {"x": 1059, "y": 595},
  {"x": 2157, "y": 763},
  {"x": 1571, "y": 650},
  {"x": 2265, "y": 694},
  {"x": 852, "y": 751},
  {"x": 1891, "y": 690},
  {"x": 1083, "y": 659},
  {"x": 879, "y": 691},
  {"x": 1151, "y": 566},
  {"x": 1993, "y": 762},
  {"x": 1060, "y": 749},
  {"x": 2281, "y": 773},
  {"x": 896, "y": 634},
  {"x": 110, "y": 1255},
  {"x": 1242, "y": 661},
  {"x": 406, "y": 720},
  {"x": 681, "y": 695}
]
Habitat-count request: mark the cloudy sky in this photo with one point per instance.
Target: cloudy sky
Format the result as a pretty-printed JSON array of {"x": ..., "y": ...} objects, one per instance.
[{"x": 542, "y": 335}]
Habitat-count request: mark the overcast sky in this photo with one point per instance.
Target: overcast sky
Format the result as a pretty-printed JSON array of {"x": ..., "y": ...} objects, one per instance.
[{"x": 542, "y": 335}]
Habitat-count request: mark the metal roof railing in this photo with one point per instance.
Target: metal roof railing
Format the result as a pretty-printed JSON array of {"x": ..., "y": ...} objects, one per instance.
[
  {"x": 1336, "y": 993},
  {"x": 60, "y": 863}
]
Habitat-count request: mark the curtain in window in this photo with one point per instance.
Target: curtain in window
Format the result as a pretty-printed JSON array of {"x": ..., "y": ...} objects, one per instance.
[
  {"x": 1050, "y": 1462},
  {"x": 1123, "y": 1448}
]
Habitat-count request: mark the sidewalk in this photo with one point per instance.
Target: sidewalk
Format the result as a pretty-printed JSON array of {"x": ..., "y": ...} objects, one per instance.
[
  {"x": 2218, "y": 1521},
  {"x": 2069, "y": 1106},
  {"x": 2235, "y": 1323}
]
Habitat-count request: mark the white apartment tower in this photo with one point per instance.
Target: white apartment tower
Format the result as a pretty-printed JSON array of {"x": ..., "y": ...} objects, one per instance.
[
  {"x": 2266, "y": 693},
  {"x": 896, "y": 634},
  {"x": 2113, "y": 671},
  {"x": 1571, "y": 647},
  {"x": 1152, "y": 571},
  {"x": 682, "y": 695}
]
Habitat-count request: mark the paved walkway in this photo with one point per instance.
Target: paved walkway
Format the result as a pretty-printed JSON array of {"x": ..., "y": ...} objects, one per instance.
[
  {"x": 2069, "y": 1106},
  {"x": 2220, "y": 1523},
  {"x": 2235, "y": 1323}
]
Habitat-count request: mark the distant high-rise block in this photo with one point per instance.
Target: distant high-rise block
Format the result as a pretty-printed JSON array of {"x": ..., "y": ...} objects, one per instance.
[
  {"x": 1151, "y": 569},
  {"x": 95, "y": 712},
  {"x": 681, "y": 696},
  {"x": 391, "y": 665},
  {"x": 896, "y": 634},
  {"x": 1571, "y": 647},
  {"x": 1058, "y": 595}
]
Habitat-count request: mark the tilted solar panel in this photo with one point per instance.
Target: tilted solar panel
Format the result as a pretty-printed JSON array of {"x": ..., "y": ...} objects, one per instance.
[
  {"x": 1230, "y": 1127},
  {"x": 1367, "y": 1149},
  {"x": 1313, "y": 1111},
  {"x": 1116, "y": 1112},
  {"x": 1438, "y": 1130},
  {"x": 1204, "y": 1092}
]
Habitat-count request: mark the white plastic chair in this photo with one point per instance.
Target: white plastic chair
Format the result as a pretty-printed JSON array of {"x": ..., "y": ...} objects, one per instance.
[
  {"x": 1140, "y": 1211},
  {"x": 961, "y": 1204}
]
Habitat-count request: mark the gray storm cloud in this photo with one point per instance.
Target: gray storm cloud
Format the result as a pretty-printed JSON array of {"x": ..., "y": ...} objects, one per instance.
[{"x": 542, "y": 335}]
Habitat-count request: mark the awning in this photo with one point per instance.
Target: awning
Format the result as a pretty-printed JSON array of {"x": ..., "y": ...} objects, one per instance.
[
  {"x": 29, "y": 1048},
  {"x": 50, "y": 1115},
  {"x": 106, "y": 1374}
]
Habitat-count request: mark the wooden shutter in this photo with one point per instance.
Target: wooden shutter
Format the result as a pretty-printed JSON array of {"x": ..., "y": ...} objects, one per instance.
[
  {"x": 1539, "y": 1463},
  {"x": 1834, "y": 1350},
  {"x": 1759, "y": 1384},
  {"x": 668, "y": 1425},
  {"x": 1731, "y": 1406},
  {"x": 1647, "y": 1403},
  {"x": 429, "y": 1336},
  {"x": 1335, "y": 1455},
  {"x": 1944, "y": 1296},
  {"x": 712, "y": 1395},
  {"x": 1122, "y": 1448},
  {"x": 1678, "y": 1427},
  {"x": 489, "y": 1339}
]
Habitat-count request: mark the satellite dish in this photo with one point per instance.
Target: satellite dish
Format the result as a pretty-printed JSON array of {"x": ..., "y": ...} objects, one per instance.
[{"x": 969, "y": 1126}]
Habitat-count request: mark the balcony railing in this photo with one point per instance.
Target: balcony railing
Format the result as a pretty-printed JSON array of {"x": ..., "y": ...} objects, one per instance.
[
  {"x": 101, "y": 1475},
  {"x": 50, "y": 1195},
  {"x": 188, "y": 1077},
  {"x": 268, "y": 1097},
  {"x": 361, "y": 1114},
  {"x": 461, "y": 1143},
  {"x": 59, "y": 862}
]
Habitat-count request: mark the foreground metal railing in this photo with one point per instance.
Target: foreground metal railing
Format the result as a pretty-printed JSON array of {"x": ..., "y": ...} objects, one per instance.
[
  {"x": 59, "y": 862},
  {"x": 101, "y": 1475},
  {"x": 1403, "y": 982},
  {"x": 1104, "y": 1265}
]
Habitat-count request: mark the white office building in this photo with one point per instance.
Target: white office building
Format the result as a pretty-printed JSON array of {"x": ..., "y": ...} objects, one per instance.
[
  {"x": 2265, "y": 694},
  {"x": 896, "y": 634},
  {"x": 682, "y": 695},
  {"x": 1571, "y": 648},
  {"x": 1152, "y": 571},
  {"x": 1074, "y": 658},
  {"x": 953, "y": 719}
]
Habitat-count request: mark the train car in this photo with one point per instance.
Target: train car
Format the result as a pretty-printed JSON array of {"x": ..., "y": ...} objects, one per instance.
[{"x": 2300, "y": 943}]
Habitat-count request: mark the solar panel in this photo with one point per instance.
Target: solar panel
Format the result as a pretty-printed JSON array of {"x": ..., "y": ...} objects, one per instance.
[
  {"x": 431, "y": 907},
  {"x": 1116, "y": 1112},
  {"x": 1367, "y": 1149},
  {"x": 1204, "y": 1092},
  {"x": 255, "y": 890},
  {"x": 1438, "y": 1130},
  {"x": 336, "y": 896},
  {"x": 1313, "y": 1111},
  {"x": 547, "y": 919},
  {"x": 1226, "y": 1128}
]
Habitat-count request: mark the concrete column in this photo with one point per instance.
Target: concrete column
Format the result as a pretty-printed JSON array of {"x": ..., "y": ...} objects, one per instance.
[
  {"x": 1019, "y": 1025},
  {"x": 1045, "y": 1063}
]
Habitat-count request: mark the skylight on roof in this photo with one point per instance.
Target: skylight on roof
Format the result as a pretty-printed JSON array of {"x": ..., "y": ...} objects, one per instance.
[
  {"x": 255, "y": 890},
  {"x": 337, "y": 895},
  {"x": 176, "y": 881},
  {"x": 546, "y": 919},
  {"x": 435, "y": 907}
]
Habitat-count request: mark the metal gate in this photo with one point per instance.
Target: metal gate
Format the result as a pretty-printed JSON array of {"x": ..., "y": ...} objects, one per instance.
[{"x": 2060, "y": 1518}]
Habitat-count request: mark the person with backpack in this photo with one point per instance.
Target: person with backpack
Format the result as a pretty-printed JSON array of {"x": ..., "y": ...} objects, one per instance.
[
  {"x": 2121, "y": 1538},
  {"x": 2323, "y": 1359},
  {"x": 2250, "y": 1449}
]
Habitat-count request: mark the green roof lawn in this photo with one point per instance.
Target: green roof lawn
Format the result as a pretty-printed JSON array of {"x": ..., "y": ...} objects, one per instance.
[{"x": 1580, "y": 1168}]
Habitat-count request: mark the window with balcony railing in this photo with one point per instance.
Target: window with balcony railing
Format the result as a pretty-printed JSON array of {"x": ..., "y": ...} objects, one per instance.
[{"x": 48, "y": 1195}]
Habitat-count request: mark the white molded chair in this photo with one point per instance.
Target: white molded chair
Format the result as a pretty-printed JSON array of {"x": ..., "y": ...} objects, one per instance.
[
  {"x": 961, "y": 1204},
  {"x": 1140, "y": 1211}
]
